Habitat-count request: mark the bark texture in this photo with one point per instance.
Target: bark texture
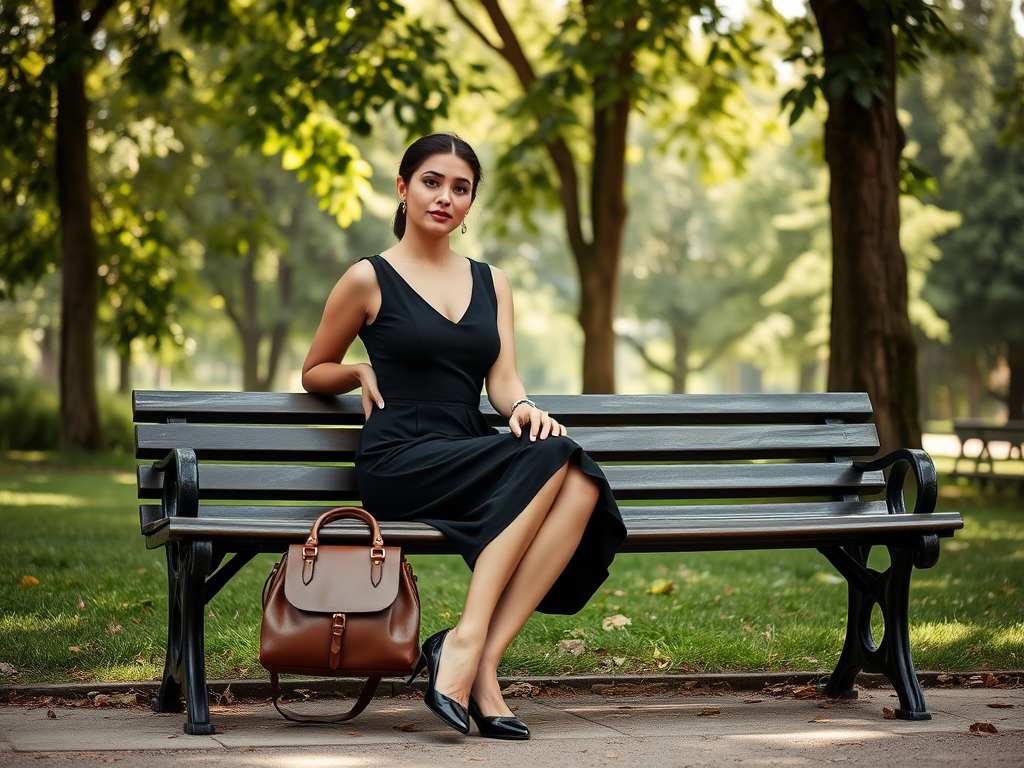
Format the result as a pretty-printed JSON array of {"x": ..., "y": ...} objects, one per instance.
[
  {"x": 79, "y": 409},
  {"x": 872, "y": 345}
]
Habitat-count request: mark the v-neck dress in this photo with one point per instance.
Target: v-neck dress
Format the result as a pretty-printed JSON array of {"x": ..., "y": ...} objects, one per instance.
[{"x": 429, "y": 455}]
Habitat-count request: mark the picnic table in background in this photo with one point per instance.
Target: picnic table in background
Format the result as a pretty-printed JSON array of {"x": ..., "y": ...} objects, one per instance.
[{"x": 987, "y": 468}]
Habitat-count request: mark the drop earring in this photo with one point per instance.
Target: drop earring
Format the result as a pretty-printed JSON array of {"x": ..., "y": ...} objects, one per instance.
[
  {"x": 403, "y": 206},
  {"x": 463, "y": 226}
]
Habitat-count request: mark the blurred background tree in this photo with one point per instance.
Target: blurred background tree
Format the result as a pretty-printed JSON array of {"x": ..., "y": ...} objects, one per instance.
[{"x": 239, "y": 161}]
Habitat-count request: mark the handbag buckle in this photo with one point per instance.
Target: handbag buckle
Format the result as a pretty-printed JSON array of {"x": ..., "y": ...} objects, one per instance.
[
  {"x": 309, "y": 552},
  {"x": 338, "y": 625},
  {"x": 378, "y": 553}
]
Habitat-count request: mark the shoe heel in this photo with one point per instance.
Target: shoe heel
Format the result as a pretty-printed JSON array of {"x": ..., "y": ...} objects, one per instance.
[{"x": 420, "y": 666}]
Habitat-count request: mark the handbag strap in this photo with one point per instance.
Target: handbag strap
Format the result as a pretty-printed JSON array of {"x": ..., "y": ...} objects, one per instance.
[
  {"x": 312, "y": 545},
  {"x": 364, "y": 698},
  {"x": 340, "y": 512}
]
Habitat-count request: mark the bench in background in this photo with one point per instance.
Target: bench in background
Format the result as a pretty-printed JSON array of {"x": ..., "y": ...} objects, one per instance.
[{"x": 225, "y": 476}]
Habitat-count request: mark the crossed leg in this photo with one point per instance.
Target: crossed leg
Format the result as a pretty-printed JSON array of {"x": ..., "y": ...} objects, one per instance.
[{"x": 511, "y": 576}]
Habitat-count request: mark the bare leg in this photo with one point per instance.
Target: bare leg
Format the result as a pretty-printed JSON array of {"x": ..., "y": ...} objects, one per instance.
[
  {"x": 464, "y": 645},
  {"x": 545, "y": 559}
]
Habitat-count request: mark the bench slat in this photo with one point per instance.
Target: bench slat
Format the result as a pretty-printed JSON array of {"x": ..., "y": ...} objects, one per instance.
[
  {"x": 573, "y": 410},
  {"x": 680, "y": 532},
  {"x": 680, "y": 443},
  {"x": 684, "y": 481},
  {"x": 151, "y": 515}
]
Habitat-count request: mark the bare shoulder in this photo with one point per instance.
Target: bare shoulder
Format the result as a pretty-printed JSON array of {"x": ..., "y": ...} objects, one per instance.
[
  {"x": 361, "y": 275},
  {"x": 502, "y": 286}
]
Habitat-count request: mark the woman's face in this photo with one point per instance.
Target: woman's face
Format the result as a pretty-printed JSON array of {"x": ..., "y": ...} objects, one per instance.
[{"x": 438, "y": 195}]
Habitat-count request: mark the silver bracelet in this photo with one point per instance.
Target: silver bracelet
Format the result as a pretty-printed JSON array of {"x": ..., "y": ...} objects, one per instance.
[{"x": 519, "y": 402}]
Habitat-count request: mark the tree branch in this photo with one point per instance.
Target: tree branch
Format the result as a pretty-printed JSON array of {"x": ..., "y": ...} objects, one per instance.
[
  {"x": 638, "y": 345},
  {"x": 512, "y": 51},
  {"x": 475, "y": 29},
  {"x": 96, "y": 15}
]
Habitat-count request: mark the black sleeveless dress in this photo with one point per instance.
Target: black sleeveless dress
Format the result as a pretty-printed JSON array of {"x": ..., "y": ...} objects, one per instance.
[{"x": 429, "y": 455}]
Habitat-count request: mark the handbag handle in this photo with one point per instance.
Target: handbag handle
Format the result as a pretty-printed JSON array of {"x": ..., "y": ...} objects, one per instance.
[
  {"x": 312, "y": 545},
  {"x": 339, "y": 513}
]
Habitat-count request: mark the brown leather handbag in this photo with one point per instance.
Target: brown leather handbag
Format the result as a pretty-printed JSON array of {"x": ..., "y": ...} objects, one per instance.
[{"x": 340, "y": 611}]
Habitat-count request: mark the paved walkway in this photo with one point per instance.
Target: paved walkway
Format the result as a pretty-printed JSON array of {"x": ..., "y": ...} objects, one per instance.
[{"x": 657, "y": 731}]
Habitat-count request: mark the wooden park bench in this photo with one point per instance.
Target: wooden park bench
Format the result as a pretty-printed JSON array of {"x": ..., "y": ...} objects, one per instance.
[
  {"x": 1010, "y": 472},
  {"x": 236, "y": 474}
]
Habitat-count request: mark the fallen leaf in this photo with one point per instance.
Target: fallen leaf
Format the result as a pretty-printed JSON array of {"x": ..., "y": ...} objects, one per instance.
[
  {"x": 520, "y": 690},
  {"x": 100, "y": 700},
  {"x": 29, "y": 581},
  {"x": 888, "y": 713},
  {"x": 408, "y": 728},
  {"x": 983, "y": 728},
  {"x": 752, "y": 701},
  {"x": 81, "y": 604},
  {"x": 619, "y": 593},
  {"x": 1000, "y": 705},
  {"x": 707, "y": 711},
  {"x": 136, "y": 621},
  {"x": 806, "y": 692},
  {"x": 618, "y": 621},
  {"x": 354, "y": 733},
  {"x": 661, "y": 587},
  {"x": 74, "y": 649},
  {"x": 51, "y": 714},
  {"x": 113, "y": 628},
  {"x": 612, "y": 754},
  {"x": 818, "y": 719},
  {"x": 572, "y": 646}
]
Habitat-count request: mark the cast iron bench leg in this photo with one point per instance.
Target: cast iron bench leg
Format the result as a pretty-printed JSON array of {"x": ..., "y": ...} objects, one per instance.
[
  {"x": 169, "y": 697},
  {"x": 188, "y": 565},
  {"x": 890, "y": 591}
]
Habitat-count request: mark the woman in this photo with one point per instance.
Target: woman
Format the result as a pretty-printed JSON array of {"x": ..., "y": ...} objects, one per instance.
[{"x": 530, "y": 512}]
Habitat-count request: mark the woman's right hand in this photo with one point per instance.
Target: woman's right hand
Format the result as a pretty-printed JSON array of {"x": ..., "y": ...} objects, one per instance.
[{"x": 369, "y": 391}]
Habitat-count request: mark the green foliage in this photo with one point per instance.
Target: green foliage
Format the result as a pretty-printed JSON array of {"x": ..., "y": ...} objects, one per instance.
[
  {"x": 915, "y": 26},
  {"x": 275, "y": 76},
  {"x": 30, "y": 418},
  {"x": 978, "y": 285}
]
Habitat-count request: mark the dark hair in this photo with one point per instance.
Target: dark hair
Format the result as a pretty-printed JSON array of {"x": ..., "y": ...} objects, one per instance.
[{"x": 420, "y": 151}]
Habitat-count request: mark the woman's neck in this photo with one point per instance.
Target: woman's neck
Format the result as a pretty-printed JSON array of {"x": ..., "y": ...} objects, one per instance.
[{"x": 434, "y": 250}]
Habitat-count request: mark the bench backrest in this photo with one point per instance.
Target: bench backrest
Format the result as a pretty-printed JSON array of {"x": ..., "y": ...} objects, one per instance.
[{"x": 296, "y": 449}]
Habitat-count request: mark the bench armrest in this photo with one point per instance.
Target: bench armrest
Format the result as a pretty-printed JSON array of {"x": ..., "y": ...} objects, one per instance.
[
  {"x": 902, "y": 460},
  {"x": 181, "y": 483}
]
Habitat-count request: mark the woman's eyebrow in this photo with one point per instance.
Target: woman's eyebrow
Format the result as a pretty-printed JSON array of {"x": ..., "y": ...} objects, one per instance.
[{"x": 441, "y": 176}]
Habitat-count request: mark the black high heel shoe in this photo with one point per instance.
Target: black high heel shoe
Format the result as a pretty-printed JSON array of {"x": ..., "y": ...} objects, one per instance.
[
  {"x": 498, "y": 727},
  {"x": 450, "y": 711}
]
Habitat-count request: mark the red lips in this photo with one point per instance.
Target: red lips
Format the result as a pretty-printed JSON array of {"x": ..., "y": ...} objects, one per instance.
[{"x": 440, "y": 214}]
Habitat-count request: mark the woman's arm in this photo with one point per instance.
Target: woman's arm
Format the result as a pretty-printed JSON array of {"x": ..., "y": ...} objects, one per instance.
[
  {"x": 504, "y": 388},
  {"x": 354, "y": 300}
]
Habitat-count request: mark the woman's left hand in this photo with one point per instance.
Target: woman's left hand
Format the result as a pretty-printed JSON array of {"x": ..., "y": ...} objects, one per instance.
[{"x": 537, "y": 421}]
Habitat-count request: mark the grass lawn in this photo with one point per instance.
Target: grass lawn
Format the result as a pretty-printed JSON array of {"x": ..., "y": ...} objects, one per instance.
[{"x": 81, "y": 598}]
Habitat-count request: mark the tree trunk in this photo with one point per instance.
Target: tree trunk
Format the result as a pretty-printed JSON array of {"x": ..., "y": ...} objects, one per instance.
[
  {"x": 1015, "y": 398},
  {"x": 124, "y": 386},
  {"x": 599, "y": 266},
  {"x": 681, "y": 339},
  {"x": 79, "y": 408},
  {"x": 872, "y": 345},
  {"x": 249, "y": 327}
]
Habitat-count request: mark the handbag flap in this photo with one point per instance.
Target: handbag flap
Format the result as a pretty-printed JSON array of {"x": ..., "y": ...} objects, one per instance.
[{"x": 341, "y": 580}]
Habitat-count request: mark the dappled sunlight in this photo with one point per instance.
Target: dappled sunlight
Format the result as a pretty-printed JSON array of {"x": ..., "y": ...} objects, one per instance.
[
  {"x": 32, "y": 623},
  {"x": 32, "y": 499}
]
